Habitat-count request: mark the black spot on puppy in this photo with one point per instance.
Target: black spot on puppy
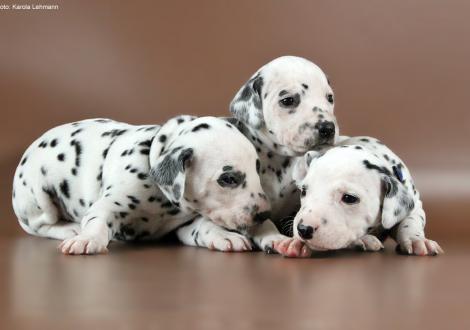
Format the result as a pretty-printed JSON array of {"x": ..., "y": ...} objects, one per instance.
[
  {"x": 53, "y": 143},
  {"x": 146, "y": 143},
  {"x": 133, "y": 199},
  {"x": 285, "y": 163},
  {"x": 398, "y": 173},
  {"x": 162, "y": 138},
  {"x": 114, "y": 132},
  {"x": 173, "y": 211},
  {"x": 24, "y": 160},
  {"x": 380, "y": 169},
  {"x": 200, "y": 126},
  {"x": 78, "y": 151},
  {"x": 305, "y": 86},
  {"x": 61, "y": 157},
  {"x": 76, "y": 132},
  {"x": 64, "y": 188}
]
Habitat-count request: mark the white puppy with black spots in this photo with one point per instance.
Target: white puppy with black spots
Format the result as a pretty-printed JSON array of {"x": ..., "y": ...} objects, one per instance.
[
  {"x": 357, "y": 193},
  {"x": 92, "y": 181},
  {"x": 286, "y": 108}
]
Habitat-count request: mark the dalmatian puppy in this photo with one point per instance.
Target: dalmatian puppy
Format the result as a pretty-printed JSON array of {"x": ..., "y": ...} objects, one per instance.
[
  {"x": 357, "y": 193},
  {"x": 97, "y": 180},
  {"x": 286, "y": 108}
]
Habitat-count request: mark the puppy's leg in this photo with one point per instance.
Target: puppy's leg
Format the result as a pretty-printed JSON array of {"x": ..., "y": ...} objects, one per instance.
[
  {"x": 39, "y": 215},
  {"x": 267, "y": 238},
  {"x": 410, "y": 235},
  {"x": 205, "y": 233},
  {"x": 95, "y": 235},
  {"x": 367, "y": 243}
]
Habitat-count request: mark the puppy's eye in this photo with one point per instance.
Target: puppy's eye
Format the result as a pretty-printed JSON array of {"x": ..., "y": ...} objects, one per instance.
[
  {"x": 329, "y": 97},
  {"x": 230, "y": 179},
  {"x": 350, "y": 199},
  {"x": 287, "y": 102},
  {"x": 303, "y": 191}
]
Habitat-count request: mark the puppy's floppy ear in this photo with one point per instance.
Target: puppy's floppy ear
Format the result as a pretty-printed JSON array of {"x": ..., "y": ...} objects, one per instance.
[
  {"x": 397, "y": 202},
  {"x": 168, "y": 163},
  {"x": 302, "y": 164},
  {"x": 247, "y": 106}
]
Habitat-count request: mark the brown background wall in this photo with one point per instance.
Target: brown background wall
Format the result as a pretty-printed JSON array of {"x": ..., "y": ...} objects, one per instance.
[{"x": 400, "y": 71}]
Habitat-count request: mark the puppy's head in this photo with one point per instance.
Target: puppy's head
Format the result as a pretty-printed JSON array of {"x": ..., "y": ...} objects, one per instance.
[
  {"x": 207, "y": 166},
  {"x": 345, "y": 192},
  {"x": 290, "y": 99}
]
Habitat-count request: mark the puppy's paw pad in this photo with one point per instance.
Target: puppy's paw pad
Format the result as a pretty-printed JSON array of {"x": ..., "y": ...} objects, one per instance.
[
  {"x": 292, "y": 248},
  {"x": 420, "y": 247},
  {"x": 82, "y": 245}
]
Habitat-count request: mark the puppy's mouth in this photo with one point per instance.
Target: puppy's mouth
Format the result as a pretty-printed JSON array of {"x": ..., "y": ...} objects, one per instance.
[
  {"x": 314, "y": 144},
  {"x": 322, "y": 144}
]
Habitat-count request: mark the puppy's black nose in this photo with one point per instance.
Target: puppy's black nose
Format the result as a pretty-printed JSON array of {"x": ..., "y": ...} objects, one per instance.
[
  {"x": 262, "y": 216},
  {"x": 305, "y": 232},
  {"x": 326, "y": 129}
]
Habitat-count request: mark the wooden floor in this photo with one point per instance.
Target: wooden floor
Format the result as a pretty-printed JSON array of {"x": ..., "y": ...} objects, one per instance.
[
  {"x": 167, "y": 286},
  {"x": 172, "y": 287}
]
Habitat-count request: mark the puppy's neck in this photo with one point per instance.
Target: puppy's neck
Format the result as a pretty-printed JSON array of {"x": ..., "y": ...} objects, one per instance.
[{"x": 265, "y": 140}]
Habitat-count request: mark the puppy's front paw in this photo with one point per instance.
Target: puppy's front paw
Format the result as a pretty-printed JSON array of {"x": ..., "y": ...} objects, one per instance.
[
  {"x": 82, "y": 245},
  {"x": 368, "y": 243},
  {"x": 292, "y": 248},
  {"x": 227, "y": 241},
  {"x": 419, "y": 247}
]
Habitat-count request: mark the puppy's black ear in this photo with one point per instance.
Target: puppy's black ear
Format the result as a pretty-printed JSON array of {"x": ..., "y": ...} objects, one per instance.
[
  {"x": 397, "y": 202},
  {"x": 169, "y": 172},
  {"x": 247, "y": 106},
  {"x": 168, "y": 162}
]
